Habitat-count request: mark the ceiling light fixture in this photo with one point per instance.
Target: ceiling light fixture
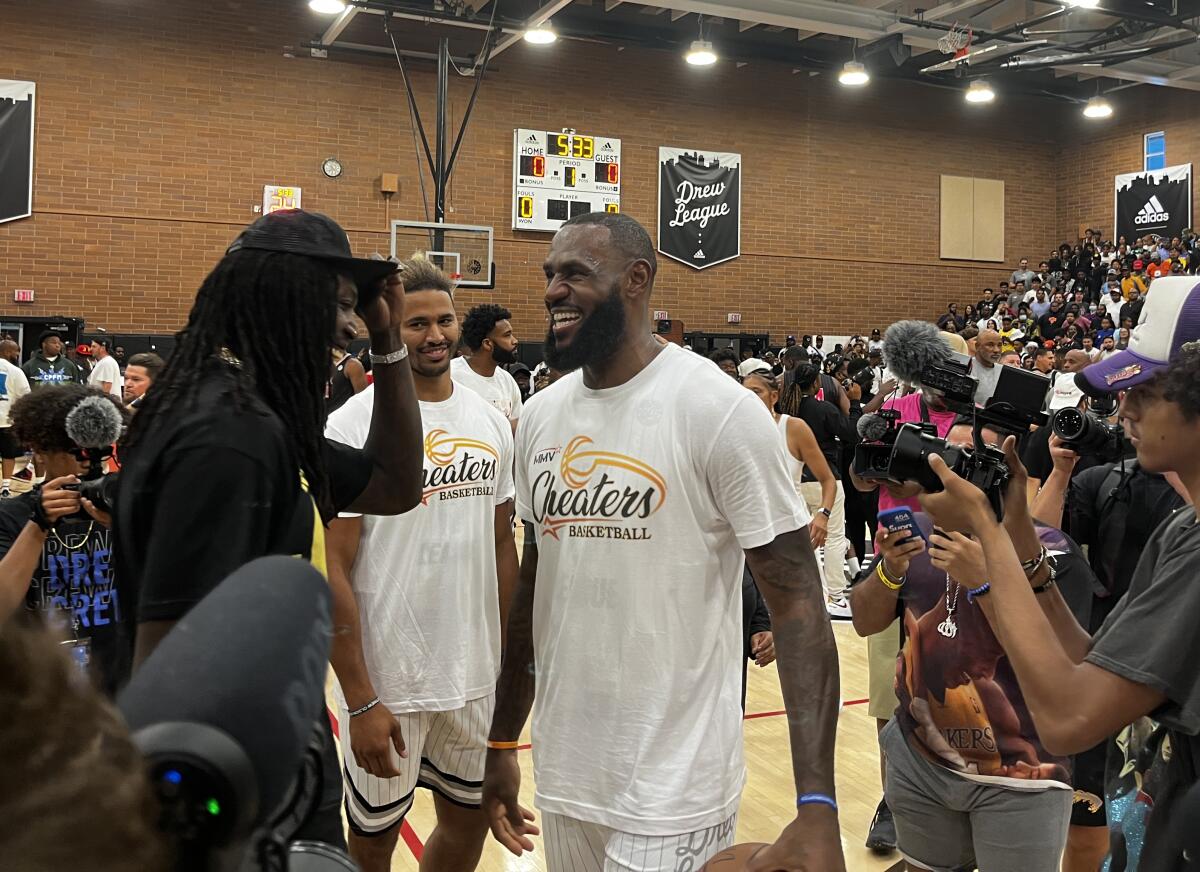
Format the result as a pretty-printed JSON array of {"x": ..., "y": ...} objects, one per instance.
[
  {"x": 1097, "y": 107},
  {"x": 543, "y": 34},
  {"x": 327, "y": 7},
  {"x": 853, "y": 73},
  {"x": 701, "y": 52},
  {"x": 980, "y": 91},
  {"x": 1084, "y": 4}
]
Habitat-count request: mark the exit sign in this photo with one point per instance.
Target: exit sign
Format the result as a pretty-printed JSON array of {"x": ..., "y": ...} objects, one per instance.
[
  {"x": 661, "y": 314},
  {"x": 734, "y": 318},
  {"x": 23, "y": 295}
]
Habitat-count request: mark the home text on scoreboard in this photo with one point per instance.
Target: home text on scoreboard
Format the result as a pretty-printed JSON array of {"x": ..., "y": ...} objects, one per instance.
[{"x": 558, "y": 175}]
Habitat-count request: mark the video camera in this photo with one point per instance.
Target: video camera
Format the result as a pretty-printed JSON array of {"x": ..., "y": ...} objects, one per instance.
[
  {"x": 1091, "y": 432},
  {"x": 225, "y": 716},
  {"x": 95, "y": 425},
  {"x": 899, "y": 453}
]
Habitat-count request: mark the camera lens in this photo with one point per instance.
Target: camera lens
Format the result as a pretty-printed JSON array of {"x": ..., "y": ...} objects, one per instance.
[{"x": 1069, "y": 424}]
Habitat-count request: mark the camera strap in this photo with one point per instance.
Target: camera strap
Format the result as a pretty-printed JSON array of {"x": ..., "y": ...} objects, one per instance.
[{"x": 924, "y": 411}]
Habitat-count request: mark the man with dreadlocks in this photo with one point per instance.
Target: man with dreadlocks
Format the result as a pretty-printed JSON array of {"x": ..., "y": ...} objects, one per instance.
[{"x": 227, "y": 459}]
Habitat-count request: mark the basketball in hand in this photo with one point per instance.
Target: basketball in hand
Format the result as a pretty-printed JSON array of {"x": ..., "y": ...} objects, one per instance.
[{"x": 733, "y": 859}]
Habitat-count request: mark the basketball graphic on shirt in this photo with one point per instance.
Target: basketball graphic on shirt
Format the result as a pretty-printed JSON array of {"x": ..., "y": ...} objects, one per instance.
[
  {"x": 733, "y": 859},
  {"x": 461, "y": 467},
  {"x": 595, "y": 494}
]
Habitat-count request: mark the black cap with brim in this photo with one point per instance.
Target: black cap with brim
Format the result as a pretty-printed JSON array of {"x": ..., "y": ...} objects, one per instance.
[
  {"x": 294, "y": 231},
  {"x": 46, "y": 334}
]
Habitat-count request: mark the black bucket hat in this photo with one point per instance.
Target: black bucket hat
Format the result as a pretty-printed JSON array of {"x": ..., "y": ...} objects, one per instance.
[{"x": 312, "y": 234}]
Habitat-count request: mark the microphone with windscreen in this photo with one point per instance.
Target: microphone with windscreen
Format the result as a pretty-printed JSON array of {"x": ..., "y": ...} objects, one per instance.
[
  {"x": 95, "y": 425},
  {"x": 225, "y": 709}
]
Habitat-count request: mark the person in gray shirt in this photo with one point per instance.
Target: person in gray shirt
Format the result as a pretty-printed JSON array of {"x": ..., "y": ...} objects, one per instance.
[{"x": 1023, "y": 275}]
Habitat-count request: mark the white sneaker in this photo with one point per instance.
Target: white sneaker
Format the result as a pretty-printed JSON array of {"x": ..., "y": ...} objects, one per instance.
[
  {"x": 5, "y": 493},
  {"x": 838, "y": 607}
]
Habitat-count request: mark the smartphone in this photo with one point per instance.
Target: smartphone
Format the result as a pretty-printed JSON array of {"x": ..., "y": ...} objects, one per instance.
[{"x": 900, "y": 518}]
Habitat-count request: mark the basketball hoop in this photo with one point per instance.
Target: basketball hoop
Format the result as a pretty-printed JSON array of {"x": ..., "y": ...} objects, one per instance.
[{"x": 957, "y": 41}]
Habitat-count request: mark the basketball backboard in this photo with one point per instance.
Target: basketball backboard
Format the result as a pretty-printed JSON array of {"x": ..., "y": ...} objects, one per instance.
[{"x": 463, "y": 251}]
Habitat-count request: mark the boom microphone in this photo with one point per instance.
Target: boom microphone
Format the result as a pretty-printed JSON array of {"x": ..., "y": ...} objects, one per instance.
[
  {"x": 95, "y": 422},
  {"x": 910, "y": 346},
  {"x": 872, "y": 428},
  {"x": 225, "y": 707}
]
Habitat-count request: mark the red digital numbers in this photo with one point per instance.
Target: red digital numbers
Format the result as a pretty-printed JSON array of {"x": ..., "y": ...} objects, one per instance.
[
  {"x": 539, "y": 165},
  {"x": 614, "y": 173}
]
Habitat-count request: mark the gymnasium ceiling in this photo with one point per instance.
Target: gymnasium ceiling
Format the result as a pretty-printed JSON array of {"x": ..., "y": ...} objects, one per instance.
[{"x": 1029, "y": 46}]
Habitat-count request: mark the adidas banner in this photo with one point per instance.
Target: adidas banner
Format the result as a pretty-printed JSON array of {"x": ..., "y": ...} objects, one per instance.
[
  {"x": 699, "y": 206},
  {"x": 16, "y": 149},
  {"x": 1156, "y": 201}
]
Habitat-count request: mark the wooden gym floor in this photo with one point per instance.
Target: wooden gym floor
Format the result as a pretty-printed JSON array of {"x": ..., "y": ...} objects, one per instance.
[{"x": 768, "y": 801}]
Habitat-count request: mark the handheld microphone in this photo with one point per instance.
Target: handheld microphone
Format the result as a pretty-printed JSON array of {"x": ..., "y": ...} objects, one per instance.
[
  {"x": 225, "y": 707},
  {"x": 909, "y": 347}
]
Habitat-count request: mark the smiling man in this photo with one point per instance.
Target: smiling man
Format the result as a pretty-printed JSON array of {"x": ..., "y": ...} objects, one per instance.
[
  {"x": 643, "y": 477},
  {"x": 419, "y": 603}
]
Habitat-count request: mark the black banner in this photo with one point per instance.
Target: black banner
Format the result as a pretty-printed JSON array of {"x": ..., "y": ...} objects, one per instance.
[
  {"x": 1156, "y": 201},
  {"x": 699, "y": 206},
  {"x": 16, "y": 149}
]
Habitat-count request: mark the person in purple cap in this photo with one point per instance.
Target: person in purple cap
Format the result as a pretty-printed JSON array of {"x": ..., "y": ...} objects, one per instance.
[
  {"x": 227, "y": 460},
  {"x": 1138, "y": 676}
]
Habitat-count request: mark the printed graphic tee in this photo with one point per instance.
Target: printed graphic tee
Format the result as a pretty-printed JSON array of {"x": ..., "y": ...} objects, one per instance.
[
  {"x": 425, "y": 581},
  {"x": 500, "y": 389},
  {"x": 960, "y": 705},
  {"x": 642, "y": 498},
  {"x": 74, "y": 591}
]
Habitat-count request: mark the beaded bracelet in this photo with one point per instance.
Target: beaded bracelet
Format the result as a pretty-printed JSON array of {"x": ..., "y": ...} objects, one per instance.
[{"x": 979, "y": 591}]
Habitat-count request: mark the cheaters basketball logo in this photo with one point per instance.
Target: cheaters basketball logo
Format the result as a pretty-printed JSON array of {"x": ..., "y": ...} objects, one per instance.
[
  {"x": 595, "y": 494},
  {"x": 461, "y": 467}
]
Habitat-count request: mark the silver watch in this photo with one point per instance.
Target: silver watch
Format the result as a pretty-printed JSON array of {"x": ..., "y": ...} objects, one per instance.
[
  {"x": 394, "y": 357},
  {"x": 826, "y": 512}
]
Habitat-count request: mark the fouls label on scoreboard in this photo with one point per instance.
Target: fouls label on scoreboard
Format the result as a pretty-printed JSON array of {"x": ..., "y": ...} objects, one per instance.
[{"x": 558, "y": 175}]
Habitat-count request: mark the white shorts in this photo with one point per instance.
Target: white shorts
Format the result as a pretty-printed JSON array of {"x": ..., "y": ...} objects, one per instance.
[
  {"x": 579, "y": 846},
  {"x": 446, "y": 754}
]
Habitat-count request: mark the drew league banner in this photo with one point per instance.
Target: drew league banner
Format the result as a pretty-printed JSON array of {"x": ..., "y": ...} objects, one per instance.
[
  {"x": 1156, "y": 201},
  {"x": 16, "y": 149},
  {"x": 699, "y": 206}
]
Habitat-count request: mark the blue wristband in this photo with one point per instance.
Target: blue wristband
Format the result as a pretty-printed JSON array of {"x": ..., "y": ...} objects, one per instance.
[
  {"x": 979, "y": 591},
  {"x": 816, "y": 799}
]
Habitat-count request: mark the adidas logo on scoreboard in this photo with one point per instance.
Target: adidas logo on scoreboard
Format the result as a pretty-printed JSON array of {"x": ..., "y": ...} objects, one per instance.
[
  {"x": 532, "y": 138},
  {"x": 608, "y": 146},
  {"x": 1152, "y": 212}
]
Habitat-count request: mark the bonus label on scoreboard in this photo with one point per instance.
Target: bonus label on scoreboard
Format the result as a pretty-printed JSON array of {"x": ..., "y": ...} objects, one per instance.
[{"x": 557, "y": 176}]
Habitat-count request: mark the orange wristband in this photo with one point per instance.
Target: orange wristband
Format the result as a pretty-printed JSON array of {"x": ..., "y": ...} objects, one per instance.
[{"x": 503, "y": 746}]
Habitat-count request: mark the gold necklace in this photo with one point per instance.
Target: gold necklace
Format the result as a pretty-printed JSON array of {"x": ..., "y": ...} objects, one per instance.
[{"x": 86, "y": 536}]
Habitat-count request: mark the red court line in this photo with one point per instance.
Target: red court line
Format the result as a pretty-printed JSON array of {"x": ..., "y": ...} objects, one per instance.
[{"x": 406, "y": 832}]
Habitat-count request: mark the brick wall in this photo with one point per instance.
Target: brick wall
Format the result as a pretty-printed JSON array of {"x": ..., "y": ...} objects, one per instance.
[
  {"x": 159, "y": 123},
  {"x": 1095, "y": 151}
]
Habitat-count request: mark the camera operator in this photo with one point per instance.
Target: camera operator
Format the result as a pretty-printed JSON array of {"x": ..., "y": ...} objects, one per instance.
[
  {"x": 1082, "y": 688},
  {"x": 964, "y": 767},
  {"x": 56, "y": 549},
  {"x": 226, "y": 459}
]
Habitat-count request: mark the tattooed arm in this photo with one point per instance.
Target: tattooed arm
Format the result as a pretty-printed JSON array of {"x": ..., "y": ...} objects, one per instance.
[
  {"x": 787, "y": 575},
  {"x": 511, "y": 824}
]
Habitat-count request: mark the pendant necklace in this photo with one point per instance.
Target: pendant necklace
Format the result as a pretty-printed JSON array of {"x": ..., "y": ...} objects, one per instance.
[{"x": 948, "y": 628}]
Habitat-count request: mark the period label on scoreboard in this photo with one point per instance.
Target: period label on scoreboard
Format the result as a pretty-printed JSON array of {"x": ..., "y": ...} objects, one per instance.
[{"x": 558, "y": 175}]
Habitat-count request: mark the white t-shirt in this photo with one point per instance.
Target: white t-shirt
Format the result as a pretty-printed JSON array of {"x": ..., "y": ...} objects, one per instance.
[
  {"x": 643, "y": 497},
  {"x": 13, "y": 386},
  {"x": 107, "y": 370},
  {"x": 500, "y": 389},
  {"x": 425, "y": 581}
]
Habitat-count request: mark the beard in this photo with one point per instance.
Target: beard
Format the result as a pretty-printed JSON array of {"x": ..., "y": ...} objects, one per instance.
[
  {"x": 503, "y": 357},
  {"x": 597, "y": 337}
]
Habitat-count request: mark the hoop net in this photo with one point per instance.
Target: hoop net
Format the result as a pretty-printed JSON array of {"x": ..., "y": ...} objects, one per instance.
[{"x": 956, "y": 41}]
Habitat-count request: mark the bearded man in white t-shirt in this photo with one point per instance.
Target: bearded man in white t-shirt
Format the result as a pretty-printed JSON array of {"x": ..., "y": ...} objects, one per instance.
[
  {"x": 419, "y": 603},
  {"x": 646, "y": 478}
]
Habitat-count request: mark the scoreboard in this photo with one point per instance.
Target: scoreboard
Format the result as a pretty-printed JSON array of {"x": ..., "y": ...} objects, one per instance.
[{"x": 558, "y": 175}]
